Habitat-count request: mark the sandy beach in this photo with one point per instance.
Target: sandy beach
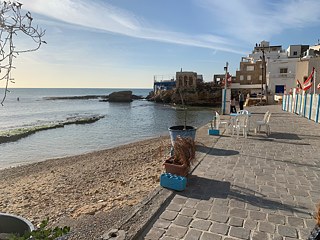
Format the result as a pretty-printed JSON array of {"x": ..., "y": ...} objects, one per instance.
[{"x": 85, "y": 185}]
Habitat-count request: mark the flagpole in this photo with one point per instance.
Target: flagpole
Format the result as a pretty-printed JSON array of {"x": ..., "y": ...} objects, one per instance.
[{"x": 314, "y": 82}]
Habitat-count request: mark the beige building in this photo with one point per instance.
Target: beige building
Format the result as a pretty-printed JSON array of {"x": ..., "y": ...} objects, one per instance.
[
  {"x": 250, "y": 74},
  {"x": 186, "y": 80},
  {"x": 304, "y": 68}
]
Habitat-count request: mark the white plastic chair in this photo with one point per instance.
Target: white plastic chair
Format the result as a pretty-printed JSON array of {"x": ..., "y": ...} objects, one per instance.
[
  {"x": 264, "y": 122},
  {"x": 240, "y": 123},
  {"x": 219, "y": 122},
  {"x": 243, "y": 112}
]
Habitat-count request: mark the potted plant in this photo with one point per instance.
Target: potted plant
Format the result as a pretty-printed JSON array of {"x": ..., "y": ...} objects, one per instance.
[
  {"x": 14, "y": 227},
  {"x": 12, "y": 224},
  {"x": 183, "y": 156},
  {"x": 182, "y": 130}
]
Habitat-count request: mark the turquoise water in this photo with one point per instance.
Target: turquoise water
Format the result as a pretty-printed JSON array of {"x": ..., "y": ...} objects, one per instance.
[{"x": 123, "y": 123}]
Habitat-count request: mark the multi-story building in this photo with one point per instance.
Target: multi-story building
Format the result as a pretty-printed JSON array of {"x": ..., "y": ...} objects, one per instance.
[
  {"x": 186, "y": 80},
  {"x": 305, "y": 65},
  {"x": 269, "y": 68},
  {"x": 281, "y": 72},
  {"x": 249, "y": 76}
]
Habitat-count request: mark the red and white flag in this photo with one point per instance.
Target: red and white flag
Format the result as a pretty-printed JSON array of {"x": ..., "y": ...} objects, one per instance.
[
  {"x": 229, "y": 80},
  {"x": 308, "y": 82},
  {"x": 307, "y": 85}
]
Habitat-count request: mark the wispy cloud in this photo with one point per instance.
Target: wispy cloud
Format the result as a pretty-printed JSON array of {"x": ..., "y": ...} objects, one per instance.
[
  {"x": 252, "y": 20},
  {"x": 106, "y": 17},
  {"x": 235, "y": 21}
]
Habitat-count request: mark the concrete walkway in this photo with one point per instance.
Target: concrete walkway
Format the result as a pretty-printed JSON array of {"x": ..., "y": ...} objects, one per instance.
[{"x": 255, "y": 188}]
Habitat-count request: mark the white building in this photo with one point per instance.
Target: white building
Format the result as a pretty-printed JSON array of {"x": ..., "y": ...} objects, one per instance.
[
  {"x": 280, "y": 68},
  {"x": 281, "y": 72}
]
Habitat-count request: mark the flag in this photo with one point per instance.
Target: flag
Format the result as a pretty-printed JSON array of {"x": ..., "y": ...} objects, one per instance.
[
  {"x": 229, "y": 80},
  {"x": 299, "y": 86},
  {"x": 309, "y": 78},
  {"x": 308, "y": 82},
  {"x": 307, "y": 85}
]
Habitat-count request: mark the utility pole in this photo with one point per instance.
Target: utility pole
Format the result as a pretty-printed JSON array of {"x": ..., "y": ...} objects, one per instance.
[
  {"x": 226, "y": 76},
  {"x": 263, "y": 75},
  {"x": 224, "y": 91}
]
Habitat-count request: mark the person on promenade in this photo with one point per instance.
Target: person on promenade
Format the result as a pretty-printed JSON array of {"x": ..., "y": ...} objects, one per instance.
[
  {"x": 241, "y": 100},
  {"x": 315, "y": 234},
  {"x": 233, "y": 106}
]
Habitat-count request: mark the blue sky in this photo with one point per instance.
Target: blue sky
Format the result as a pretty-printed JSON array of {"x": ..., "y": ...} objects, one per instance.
[{"x": 124, "y": 43}]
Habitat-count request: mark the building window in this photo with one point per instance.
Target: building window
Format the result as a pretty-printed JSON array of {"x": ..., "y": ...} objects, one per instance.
[
  {"x": 241, "y": 77},
  {"x": 249, "y": 77},
  {"x": 250, "y": 68},
  {"x": 190, "y": 81},
  {"x": 180, "y": 81},
  {"x": 295, "y": 53},
  {"x": 185, "y": 81},
  {"x": 260, "y": 77},
  {"x": 283, "y": 70}
]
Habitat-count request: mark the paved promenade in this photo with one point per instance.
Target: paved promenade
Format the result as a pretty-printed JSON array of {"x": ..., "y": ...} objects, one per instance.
[{"x": 255, "y": 188}]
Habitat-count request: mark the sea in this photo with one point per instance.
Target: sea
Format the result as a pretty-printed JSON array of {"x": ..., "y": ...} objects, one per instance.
[{"x": 122, "y": 123}]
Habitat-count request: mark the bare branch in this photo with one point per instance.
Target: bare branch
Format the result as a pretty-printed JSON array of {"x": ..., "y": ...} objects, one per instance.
[{"x": 12, "y": 21}]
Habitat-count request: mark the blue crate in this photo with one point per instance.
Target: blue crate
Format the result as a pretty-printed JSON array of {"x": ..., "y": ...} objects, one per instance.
[
  {"x": 173, "y": 181},
  {"x": 213, "y": 132}
]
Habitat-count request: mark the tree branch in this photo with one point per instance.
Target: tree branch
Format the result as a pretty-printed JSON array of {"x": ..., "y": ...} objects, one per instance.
[{"x": 12, "y": 21}]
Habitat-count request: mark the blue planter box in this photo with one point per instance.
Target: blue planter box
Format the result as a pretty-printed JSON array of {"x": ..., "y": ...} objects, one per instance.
[
  {"x": 172, "y": 181},
  {"x": 213, "y": 132}
]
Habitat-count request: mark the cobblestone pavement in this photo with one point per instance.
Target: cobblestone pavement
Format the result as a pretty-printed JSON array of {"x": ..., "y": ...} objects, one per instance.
[{"x": 255, "y": 188}]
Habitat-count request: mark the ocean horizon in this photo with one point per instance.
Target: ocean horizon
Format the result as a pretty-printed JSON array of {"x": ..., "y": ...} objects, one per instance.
[{"x": 122, "y": 123}]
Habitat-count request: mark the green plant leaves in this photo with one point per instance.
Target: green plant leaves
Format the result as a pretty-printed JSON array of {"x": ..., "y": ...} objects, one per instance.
[{"x": 44, "y": 232}]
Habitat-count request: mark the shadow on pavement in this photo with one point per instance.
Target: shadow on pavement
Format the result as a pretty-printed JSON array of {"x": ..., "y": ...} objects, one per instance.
[
  {"x": 216, "y": 151},
  {"x": 284, "y": 135},
  {"x": 205, "y": 189},
  {"x": 295, "y": 163},
  {"x": 277, "y": 141},
  {"x": 259, "y": 200},
  {"x": 310, "y": 136}
]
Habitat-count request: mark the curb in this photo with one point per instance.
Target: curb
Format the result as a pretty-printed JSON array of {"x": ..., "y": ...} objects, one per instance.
[{"x": 139, "y": 222}]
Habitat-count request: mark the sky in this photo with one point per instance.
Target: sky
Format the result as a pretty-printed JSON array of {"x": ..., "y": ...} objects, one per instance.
[{"x": 124, "y": 43}]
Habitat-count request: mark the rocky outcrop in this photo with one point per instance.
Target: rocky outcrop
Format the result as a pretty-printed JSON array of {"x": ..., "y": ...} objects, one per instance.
[
  {"x": 16, "y": 134},
  {"x": 86, "y": 97},
  {"x": 205, "y": 96},
  {"x": 122, "y": 96}
]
